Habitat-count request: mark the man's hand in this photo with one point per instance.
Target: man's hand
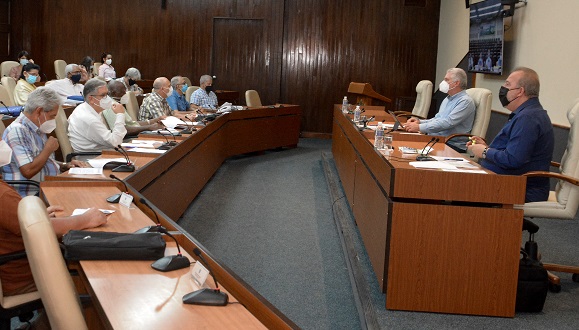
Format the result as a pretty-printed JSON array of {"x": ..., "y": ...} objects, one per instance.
[
  {"x": 94, "y": 218},
  {"x": 51, "y": 144},
  {"x": 118, "y": 108},
  {"x": 53, "y": 209},
  {"x": 412, "y": 125}
]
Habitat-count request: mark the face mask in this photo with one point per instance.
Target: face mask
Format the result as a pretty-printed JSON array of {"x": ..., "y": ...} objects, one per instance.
[
  {"x": 170, "y": 92},
  {"x": 208, "y": 89},
  {"x": 75, "y": 78},
  {"x": 503, "y": 96},
  {"x": 48, "y": 126},
  {"x": 132, "y": 82},
  {"x": 444, "y": 86},
  {"x": 5, "y": 153},
  {"x": 106, "y": 102},
  {"x": 91, "y": 68},
  {"x": 31, "y": 79},
  {"x": 109, "y": 61},
  {"x": 23, "y": 62},
  {"x": 184, "y": 88}
]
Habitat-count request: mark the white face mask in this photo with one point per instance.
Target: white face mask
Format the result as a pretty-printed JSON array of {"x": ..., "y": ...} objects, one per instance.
[
  {"x": 444, "y": 86},
  {"x": 48, "y": 126},
  {"x": 5, "y": 153},
  {"x": 109, "y": 61},
  {"x": 106, "y": 102},
  {"x": 170, "y": 91}
]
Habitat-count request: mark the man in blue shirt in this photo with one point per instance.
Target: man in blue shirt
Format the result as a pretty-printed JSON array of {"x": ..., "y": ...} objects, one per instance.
[
  {"x": 456, "y": 114},
  {"x": 526, "y": 141},
  {"x": 177, "y": 100}
]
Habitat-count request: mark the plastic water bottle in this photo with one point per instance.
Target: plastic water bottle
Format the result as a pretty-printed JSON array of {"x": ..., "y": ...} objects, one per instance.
[
  {"x": 379, "y": 137},
  {"x": 345, "y": 105},
  {"x": 357, "y": 113}
]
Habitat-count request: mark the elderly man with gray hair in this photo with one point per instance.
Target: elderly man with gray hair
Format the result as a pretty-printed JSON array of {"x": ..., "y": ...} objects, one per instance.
[
  {"x": 68, "y": 86},
  {"x": 155, "y": 104},
  {"x": 456, "y": 114},
  {"x": 86, "y": 128},
  {"x": 204, "y": 97},
  {"x": 130, "y": 80},
  {"x": 33, "y": 150}
]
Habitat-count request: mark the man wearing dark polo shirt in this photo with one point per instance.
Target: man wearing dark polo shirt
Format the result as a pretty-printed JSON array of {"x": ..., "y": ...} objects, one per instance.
[{"x": 526, "y": 141}]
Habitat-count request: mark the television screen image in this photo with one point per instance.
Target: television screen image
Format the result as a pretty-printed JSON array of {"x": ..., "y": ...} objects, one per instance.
[{"x": 486, "y": 38}]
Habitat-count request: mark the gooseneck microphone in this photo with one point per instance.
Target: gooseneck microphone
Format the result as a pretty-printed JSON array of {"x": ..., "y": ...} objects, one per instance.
[
  {"x": 167, "y": 145},
  {"x": 190, "y": 129},
  {"x": 424, "y": 154},
  {"x": 117, "y": 197},
  {"x": 206, "y": 296},
  {"x": 150, "y": 229},
  {"x": 128, "y": 167},
  {"x": 7, "y": 109}
]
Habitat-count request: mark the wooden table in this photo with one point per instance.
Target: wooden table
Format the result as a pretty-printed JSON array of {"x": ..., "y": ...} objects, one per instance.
[
  {"x": 438, "y": 241},
  {"x": 131, "y": 294}
]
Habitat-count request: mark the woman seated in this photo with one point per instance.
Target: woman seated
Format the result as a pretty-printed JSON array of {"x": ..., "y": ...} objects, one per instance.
[
  {"x": 23, "y": 59},
  {"x": 25, "y": 85}
]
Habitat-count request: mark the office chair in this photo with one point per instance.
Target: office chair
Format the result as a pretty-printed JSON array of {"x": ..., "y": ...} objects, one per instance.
[
  {"x": 252, "y": 98},
  {"x": 423, "y": 100},
  {"x": 563, "y": 202},
  {"x": 190, "y": 91},
  {"x": 95, "y": 68},
  {"x": 61, "y": 132},
  {"x": 132, "y": 105},
  {"x": 10, "y": 85},
  {"x": 56, "y": 288},
  {"x": 6, "y": 66},
  {"x": 59, "y": 66},
  {"x": 5, "y": 96}
]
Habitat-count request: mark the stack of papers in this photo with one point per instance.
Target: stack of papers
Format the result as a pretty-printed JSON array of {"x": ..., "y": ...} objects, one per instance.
[
  {"x": 172, "y": 121},
  {"x": 152, "y": 144},
  {"x": 100, "y": 163}
]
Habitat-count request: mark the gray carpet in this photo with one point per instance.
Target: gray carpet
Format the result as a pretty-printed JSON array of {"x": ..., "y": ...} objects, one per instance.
[{"x": 269, "y": 218}]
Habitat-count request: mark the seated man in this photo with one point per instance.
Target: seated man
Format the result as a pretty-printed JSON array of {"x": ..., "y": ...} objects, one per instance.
[
  {"x": 526, "y": 142},
  {"x": 33, "y": 150},
  {"x": 130, "y": 81},
  {"x": 68, "y": 86},
  {"x": 116, "y": 91},
  {"x": 177, "y": 100},
  {"x": 456, "y": 114},
  {"x": 86, "y": 128},
  {"x": 155, "y": 104},
  {"x": 204, "y": 97}
]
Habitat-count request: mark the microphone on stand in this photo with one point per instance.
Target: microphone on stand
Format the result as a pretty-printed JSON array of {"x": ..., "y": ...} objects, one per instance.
[
  {"x": 117, "y": 197},
  {"x": 174, "y": 142},
  {"x": 128, "y": 167},
  {"x": 7, "y": 109},
  {"x": 424, "y": 154},
  {"x": 189, "y": 129},
  {"x": 206, "y": 296},
  {"x": 166, "y": 145},
  {"x": 151, "y": 229}
]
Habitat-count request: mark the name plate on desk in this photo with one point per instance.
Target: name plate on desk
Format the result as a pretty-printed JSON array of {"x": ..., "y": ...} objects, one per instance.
[
  {"x": 126, "y": 200},
  {"x": 199, "y": 273}
]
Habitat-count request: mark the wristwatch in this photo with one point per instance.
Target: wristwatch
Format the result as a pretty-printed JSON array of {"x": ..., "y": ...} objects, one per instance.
[{"x": 484, "y": 153}]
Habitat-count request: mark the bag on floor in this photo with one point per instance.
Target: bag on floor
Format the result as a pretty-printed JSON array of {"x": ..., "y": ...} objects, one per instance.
[{"x": 532, "y": 286}]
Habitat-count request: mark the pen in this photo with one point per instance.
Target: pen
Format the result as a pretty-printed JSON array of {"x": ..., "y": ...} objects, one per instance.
[{"x": 457, "y": 159}]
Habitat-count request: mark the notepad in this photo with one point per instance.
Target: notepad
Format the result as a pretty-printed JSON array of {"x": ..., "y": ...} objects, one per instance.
[{"x": 87, "y": 170}]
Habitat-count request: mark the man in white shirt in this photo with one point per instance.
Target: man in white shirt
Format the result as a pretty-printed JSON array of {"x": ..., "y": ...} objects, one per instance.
[
  {"x": 87, "y": 129},
  {"x": 68, "y": 86}
]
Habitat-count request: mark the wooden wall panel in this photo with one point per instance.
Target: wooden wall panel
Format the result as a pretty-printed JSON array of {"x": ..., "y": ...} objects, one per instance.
[{"x": 308, "y": 51}]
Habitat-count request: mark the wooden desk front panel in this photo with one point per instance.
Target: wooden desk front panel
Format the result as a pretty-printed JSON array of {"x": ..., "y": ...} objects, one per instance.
[
  {"x": 453, "y": 259},
  {"x": 345, "y": 159}
]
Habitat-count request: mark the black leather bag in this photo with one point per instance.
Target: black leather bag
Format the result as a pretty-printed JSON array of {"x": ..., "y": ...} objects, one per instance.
[
  {"x": 94, "y": 245},
  {"x": 532, "y": 286}
]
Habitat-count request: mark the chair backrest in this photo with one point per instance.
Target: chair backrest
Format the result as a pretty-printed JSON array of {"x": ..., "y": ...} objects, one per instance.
[
  {"x": 5, "y": 96},
  {"x": 6, "y": 66},
  {"x": 61, "y": 132},
  {"x": 423, "y": 98},
  {"x": 10, "y": 85},
  {"x": 59, "y": 66},
  {"x": 132, "y": 105},
  {"x": 252, "y": 98},
  {"x": 482, "y": 98},
  {"x": 95, "y": 68},
  {"x": 49, "y": 270},
  {"x": 190, "y": 91},
  {"x": 2, "y": 128},
  {"x": 568, "y": 194}
]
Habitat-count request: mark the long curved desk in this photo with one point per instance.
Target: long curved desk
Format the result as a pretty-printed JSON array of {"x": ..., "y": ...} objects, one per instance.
[
  {"x": 170, "y": 182},
  {"x": 438, "y": 241}
]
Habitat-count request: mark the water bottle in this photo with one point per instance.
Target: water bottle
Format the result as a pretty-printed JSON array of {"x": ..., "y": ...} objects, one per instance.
[
  {"x": 379, "y": 137},
  {"x": 357, "y": 113},
  {"x": 345, "y": 105}
]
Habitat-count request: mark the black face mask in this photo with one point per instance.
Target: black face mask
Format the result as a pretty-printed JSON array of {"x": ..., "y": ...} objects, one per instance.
[
  {"x": 75, "y": 78},
  {"x": 132, "y": 82},
  {"x": 503, "y": 96},
  {"x": 208, "y": 89}
]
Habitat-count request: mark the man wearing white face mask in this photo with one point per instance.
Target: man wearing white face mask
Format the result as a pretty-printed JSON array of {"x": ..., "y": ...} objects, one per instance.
[
  {"x": 457, "y": 111},
  {"x": 87, "y": 129},
  {"x": 155, "y": 104},
  {"x": 33, "y": 150}
]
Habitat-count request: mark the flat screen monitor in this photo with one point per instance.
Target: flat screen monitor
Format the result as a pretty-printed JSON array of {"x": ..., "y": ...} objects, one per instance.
[{"x": 486, "y": 38}]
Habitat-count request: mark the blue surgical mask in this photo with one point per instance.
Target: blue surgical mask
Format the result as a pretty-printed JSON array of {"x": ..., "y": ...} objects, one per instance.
[
  {"x": 23, "y": 61},
  {"x": 31, "y": 79},
  {"x": 184, "y": 88}
]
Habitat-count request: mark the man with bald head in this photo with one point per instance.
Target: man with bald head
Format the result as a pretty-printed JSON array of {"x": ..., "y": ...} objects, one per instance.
[
  {"x": 526, "y": 142},
  {"x": 155, "y": 104}
]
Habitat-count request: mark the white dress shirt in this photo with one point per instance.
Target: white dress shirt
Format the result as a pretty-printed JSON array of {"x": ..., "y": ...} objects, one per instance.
[
  {"x": 65, "y": 88},
  {"x": 88, "y": 132}
]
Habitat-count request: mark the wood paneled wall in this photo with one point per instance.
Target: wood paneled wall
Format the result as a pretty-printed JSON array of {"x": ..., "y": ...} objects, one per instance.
[{"x": 293, "y": 51}]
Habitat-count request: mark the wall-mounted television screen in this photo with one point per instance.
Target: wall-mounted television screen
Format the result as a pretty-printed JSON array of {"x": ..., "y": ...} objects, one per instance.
[{"x": 486, "y": 38}]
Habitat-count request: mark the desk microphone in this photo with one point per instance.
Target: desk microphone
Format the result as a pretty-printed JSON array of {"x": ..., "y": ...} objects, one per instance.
[
  {"x": 167, "y": 145},
  {"x": 117, "y": 197},
  {"x": 128, "y": 167},
  {"x": 7, "y": 110},
  {"x": 151, "y": 229},
  {"x": 189, "y": 129},
  {"x": 424, "y": 154},
  {"x": 206, "y": 296}
]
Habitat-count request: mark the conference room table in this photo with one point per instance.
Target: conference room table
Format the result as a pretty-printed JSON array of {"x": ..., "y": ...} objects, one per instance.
[
  {"x": 438, "y": 240},
  {"x": 130, "y": 294}
]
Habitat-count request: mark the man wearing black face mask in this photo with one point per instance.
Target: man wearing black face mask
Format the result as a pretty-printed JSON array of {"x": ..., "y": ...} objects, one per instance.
[
  {"x": 130, "y": 81},
  {"x": 526, "y": 141},
  {"x": 68, "y": 86},
  {"x": 204, "y": 97}
]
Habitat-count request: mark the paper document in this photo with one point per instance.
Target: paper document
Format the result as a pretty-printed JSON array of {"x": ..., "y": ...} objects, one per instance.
[
  {"x": 100, "y": 162},
  {"x": 462, "y": 170},
  {"x": 82, "y": 211},
  {"x": 147, "y": 150},
  {"x": 86, "y": 170},
  {"x": 172, "y": 121},
  {"x": 433, "y": 165}
]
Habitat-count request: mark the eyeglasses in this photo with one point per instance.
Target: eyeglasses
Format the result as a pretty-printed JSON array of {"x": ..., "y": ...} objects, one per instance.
[{"x": 101, "y": 96}]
